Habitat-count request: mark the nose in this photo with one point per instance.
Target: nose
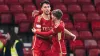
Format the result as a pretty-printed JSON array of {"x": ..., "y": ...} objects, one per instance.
[{"x": 47, "y": 9}]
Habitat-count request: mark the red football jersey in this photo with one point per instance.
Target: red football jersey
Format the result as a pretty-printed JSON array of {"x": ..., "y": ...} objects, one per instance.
[
  {"x": 57, "y": 39},
  {"x": 44, "y": 25}
]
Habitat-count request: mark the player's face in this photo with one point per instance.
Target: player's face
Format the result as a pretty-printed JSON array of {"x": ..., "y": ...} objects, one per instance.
[
  {"x": 53, "y": 17},
  {"x": 46, "y": 9}
]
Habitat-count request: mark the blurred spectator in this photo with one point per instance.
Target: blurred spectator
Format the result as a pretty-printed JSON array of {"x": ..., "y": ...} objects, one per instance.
[{"x": 14, "y": 46}]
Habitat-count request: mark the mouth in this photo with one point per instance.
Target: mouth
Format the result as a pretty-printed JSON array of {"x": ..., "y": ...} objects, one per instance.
[{"x": 47, "y": 11}]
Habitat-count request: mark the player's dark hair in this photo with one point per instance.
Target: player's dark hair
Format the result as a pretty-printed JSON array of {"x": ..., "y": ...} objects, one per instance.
[
  {"x": 44, "y": 2},
  {"x": 57, "y": 13}
]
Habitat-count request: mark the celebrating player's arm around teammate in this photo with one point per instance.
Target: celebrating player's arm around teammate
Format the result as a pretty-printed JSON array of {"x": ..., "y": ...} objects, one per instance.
[{"x": 58, "y": 46}]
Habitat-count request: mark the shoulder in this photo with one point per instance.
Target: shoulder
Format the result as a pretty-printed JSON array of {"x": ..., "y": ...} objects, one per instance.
[
  {"x": 38, "y": 18},
  {"x": 61, "y": 25}
]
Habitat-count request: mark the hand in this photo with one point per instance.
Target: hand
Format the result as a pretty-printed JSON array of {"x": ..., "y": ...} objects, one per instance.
[
  {"x": 34, "y": 13},
  {"x": 74, "y": 37},
  {"x": 31, "y": 48},
  {"x": 33, "y": 30}
]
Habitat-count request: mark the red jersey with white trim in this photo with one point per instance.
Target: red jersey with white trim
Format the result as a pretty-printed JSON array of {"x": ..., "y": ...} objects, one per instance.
[
  {"x": 57, "y": 39},
  {"x": 44, "y": 25}
]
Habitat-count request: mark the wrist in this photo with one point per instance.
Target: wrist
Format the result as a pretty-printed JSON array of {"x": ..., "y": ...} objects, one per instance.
[{"x": 73, "y": 35}]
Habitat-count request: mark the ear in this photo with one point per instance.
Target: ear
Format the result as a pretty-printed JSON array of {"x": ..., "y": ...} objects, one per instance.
[
  {"x": 50, "y": 8},
  {"x": 41, "y": 9}
]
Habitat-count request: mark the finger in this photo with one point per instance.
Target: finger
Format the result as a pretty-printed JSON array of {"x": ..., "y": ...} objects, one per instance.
[
  {"x": 74, "y": 39},
  {"x": 32, "y": 30},
  {"x": 35, "y": 12}
]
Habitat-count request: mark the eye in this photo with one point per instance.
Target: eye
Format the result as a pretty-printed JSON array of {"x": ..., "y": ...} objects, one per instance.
[
  {"x": 48, "y": 6},
  {"x": 44, "y": 6}
]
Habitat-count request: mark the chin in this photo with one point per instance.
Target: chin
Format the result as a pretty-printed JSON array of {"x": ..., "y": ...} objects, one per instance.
[{"x": 47, "y": 14}]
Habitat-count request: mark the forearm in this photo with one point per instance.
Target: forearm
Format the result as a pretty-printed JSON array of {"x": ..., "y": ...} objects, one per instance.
[
  {"x": 44, "y": 37},
  {"x": 45, "y": 33},
  {"x": 68, "y": 32}
]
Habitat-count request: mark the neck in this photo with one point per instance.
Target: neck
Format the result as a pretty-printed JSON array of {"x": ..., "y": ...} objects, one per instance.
[
  {"x": 57, "y": 21},
  {"x": 45, "y": 16}
]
